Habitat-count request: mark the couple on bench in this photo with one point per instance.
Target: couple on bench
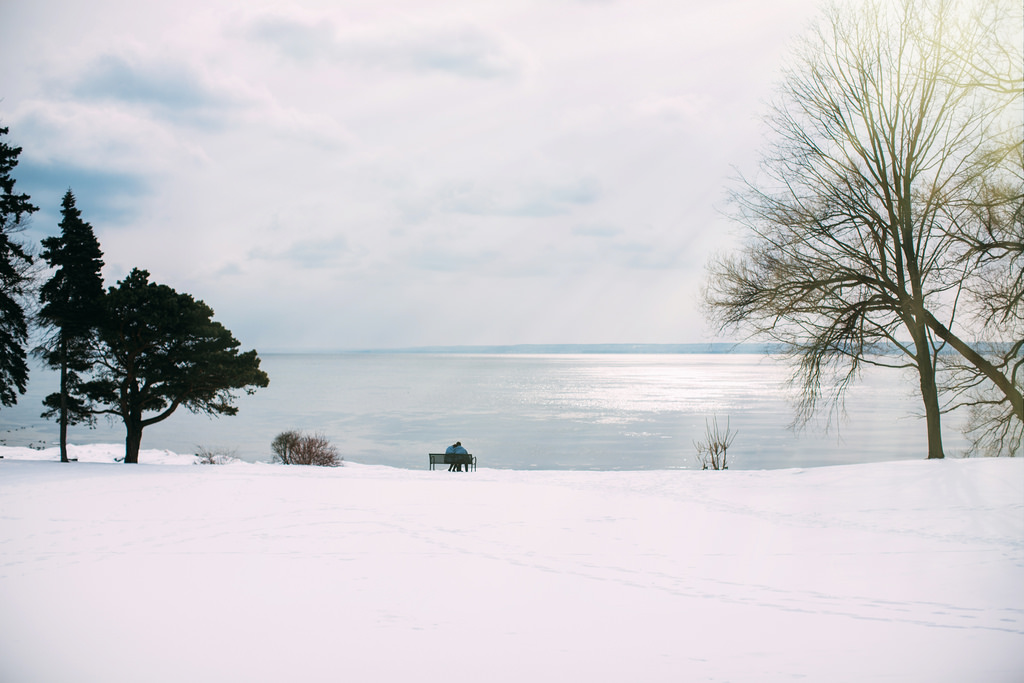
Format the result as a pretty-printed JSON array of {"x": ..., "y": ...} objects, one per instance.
[{"x": 456, "y": 449}]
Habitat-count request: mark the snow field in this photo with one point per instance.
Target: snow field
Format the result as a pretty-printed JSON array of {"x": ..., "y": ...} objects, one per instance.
[{"x": 902, "y": 571}]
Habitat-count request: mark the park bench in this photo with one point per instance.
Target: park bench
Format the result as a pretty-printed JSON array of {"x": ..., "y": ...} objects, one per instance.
[{"x": 466, "y": 459}]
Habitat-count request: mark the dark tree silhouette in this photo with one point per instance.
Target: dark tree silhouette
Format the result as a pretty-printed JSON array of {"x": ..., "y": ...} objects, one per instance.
[
  {"x": 14, "y": 279},
  {"x": 159, "y": 350},
  {"x": 72, "y": 309}
]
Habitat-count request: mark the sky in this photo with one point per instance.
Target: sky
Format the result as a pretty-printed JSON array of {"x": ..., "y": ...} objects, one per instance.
[{"x": 397, "y": 173}]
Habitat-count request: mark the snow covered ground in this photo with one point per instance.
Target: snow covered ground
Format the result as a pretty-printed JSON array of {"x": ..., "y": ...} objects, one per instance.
[{"x": 902, "y": 571}]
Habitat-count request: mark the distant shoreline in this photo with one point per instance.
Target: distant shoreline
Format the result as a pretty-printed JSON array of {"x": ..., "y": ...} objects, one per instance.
[
  {"x": 709, "y": 348},
  {"x": 556, "y": 349}
]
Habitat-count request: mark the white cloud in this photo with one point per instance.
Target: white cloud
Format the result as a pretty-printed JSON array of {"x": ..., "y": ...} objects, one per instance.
[
  {"x": 509, "y": 198},
  {"x": 465, "y": 51},
  {"x": 170, "y": 88},
  {"x": 400, "y": 173}
]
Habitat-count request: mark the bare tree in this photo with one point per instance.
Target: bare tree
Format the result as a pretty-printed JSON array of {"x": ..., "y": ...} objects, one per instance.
[{"x": 883, "y": 123}]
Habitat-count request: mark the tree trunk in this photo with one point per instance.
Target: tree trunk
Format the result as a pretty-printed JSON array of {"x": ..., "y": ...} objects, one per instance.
[
  {"x": 63, "y": 400},
  {"x": 132, "y": 442},
  {"x": 929, "y": 387},
  {"x": 932, "y": 413},
  {"x": 916, "y": 325},
  {"x": 917, "y": 322}
]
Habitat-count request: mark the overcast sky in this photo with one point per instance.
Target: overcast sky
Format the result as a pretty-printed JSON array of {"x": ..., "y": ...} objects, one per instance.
[{"x": 394, "y": 173}]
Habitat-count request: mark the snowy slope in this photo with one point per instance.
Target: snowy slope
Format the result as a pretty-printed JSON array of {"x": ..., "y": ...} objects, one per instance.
[{"x": 904, "y": 571}]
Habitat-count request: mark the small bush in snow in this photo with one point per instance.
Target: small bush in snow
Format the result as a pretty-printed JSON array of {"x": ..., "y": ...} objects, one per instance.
[
  {"x": 283, "y": 445},
  {"x": 712, "y": 452},
  {"x": 296, "y": 448},
  {"x": 215, "y": 456}
]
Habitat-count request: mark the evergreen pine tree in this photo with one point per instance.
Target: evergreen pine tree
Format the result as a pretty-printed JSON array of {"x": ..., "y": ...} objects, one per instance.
[
  {"x": 160, "y": 350},
  {"x": 72, "y": 308},
  {"x": 14, "y": 280}
]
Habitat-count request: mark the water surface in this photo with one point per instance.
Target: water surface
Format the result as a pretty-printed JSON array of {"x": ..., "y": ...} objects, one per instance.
[{"x": 558, "y": 411}]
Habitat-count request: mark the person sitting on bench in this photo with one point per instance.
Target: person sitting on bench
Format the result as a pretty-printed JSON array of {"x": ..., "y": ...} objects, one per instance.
[{"x": 458, "y": 450}]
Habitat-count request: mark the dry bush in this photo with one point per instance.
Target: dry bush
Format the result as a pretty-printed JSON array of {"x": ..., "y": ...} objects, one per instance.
[
  {"x": 315, "y": 450},
  {"x": 296, "y": 448},
  {"x": 713, "y": 451},
  {"x": 283, "y": 445},
  {"x": 215, "y": 456}
]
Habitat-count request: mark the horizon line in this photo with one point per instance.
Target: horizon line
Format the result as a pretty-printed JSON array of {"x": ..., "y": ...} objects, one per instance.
[{"x": 545, "y": 349}]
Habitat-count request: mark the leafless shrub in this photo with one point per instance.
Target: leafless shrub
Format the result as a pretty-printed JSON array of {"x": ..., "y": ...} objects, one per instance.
[
  {"x": 283, "y": 445},
  {"x": 296, "y": 448},
  {"x": 712, "y": 452},
  {"x": 215, "y": 456}
]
